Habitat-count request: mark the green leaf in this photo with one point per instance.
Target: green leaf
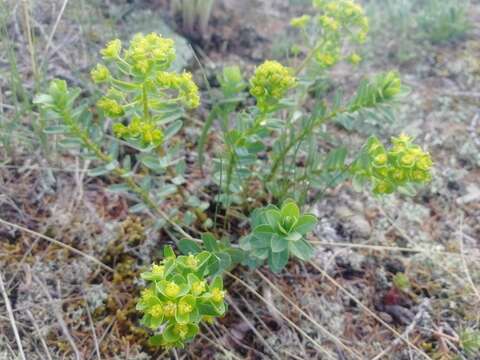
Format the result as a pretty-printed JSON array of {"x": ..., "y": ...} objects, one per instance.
[
  {"x": 289, "y": 208},
  {"x": 43, "y": 99},
  {"x": 71, "y": 143},
  {"x": 273, "y": 217},
  {"x": 193, "y": 330},
  {"x": 261, "y": 253},
  {"x": 301, "y": 249},
  {"x": 213, "y": 266},
  {"x": 278, "y": 243},
  {"x": 152, "y": 162},
  {"x": 217, "y": 283},
  {"x": 260, "y": 241},
  {"x": 208, "y": 309},
  {"x": 169, "y": 334},
  {"x": 98, "y": 171},
  {"x": 294, "y": 236},
  {"x": 263, "y": 229},
  {"x": 237, "y": 255},
  {"x": 211, "y": 244},
  {"x": 336, "y": 159},
  {"x": 165, "y": 191},
  {"x": 225, "y": 261},
  {"x": 155, "y": 340},
  {"x": 171, "y": 130},
  {"x": 168, "y": 252},
  {"x": 56, "y": 129},
  {"x": 305, "y": 224},
  {"x": 140, "y": 207},
  {"x": 278, "y": 260},
  {"x": 187, "y": 246},
  {"x": 118, "y": 188}
]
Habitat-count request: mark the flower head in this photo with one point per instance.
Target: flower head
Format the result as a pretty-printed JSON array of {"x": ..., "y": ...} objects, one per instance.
[
  {"x": 403, "y": 163},
  {"x": 300, "y": 22},
  {"x": 355, "y": 59},
  {"x": 112, "y": 50},
  {"x": 199, "y": 287},
  {"x": 172, "y": 289},
  {"x": 110, "y": 107},
  {"x": 218, "y": 295},
  {"x": 191, "y": 261},
  {"x": 100, "y": 73},
  {"x": 169, "y": 309},
  {"x": 156, "y": 310},
  {"x": 150, "y": 51},
  {"x": 270, "y": 83}
]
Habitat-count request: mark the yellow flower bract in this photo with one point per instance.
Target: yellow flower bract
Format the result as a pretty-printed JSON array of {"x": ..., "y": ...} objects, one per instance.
[
  {"x": 172, "y": 289},
  {"x": 199, "y": 287},
  {"x": 100, "y": 73},
  {"x": 156, "y": 310},
  {"x": 112, "y": 50},
  {"x": 218, "y": 295}
]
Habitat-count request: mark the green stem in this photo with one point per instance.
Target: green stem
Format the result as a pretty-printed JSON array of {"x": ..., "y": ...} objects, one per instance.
[
  {"x": 299, "y": 138},
  {"x": 146, "y": 113},
  {"x": 308, "y": 58}
]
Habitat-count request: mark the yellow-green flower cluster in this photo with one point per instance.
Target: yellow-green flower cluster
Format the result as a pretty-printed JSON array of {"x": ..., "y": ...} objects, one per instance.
[
  {"x": 187, "y": 90},
  {"x": 339, "y": 21},
  {"x": 354, "y": 58},
  {"x": 112, "y": 50},
  {"x": 270, "y": 83},
  {"x": 110, "y": 107},
  {"x": 300, "y": 22},
  {"x": 100, "y": 73},
  {"x": 140, "y": 130},
  {"x": 178, "y": 297},
  {"x": 140, "y": 86},
  {"x": 152, "y": 51},
  {"x": 388, "y": 169}
]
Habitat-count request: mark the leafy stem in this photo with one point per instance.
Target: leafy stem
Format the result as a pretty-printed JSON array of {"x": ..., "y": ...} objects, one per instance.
[
  {"x": 298, "y": 139},
  {"x": 120, "y": 172}
]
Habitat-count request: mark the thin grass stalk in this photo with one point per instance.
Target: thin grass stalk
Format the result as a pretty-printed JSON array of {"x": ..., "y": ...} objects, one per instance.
[
  {"x": 175, "y": 5},
  {"x": 188, "y": 15},
  {"x": 369, "y": 312},
  {"x": 315, "y": 343},
  {"x": 31, "y": 47},
  {"x": 204, "y": 11}
]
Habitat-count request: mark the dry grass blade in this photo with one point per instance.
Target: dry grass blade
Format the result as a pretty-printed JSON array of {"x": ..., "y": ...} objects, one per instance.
[
  {"x": 368, "y": 311},
  {"x": 464, "y": 262},
  {"x": 252, "y": 327},
  {"x": 12, "y": 318},
  {"x": 408, "y": 330},
  {"x": 391, "y": 248},
  {"x": 54, "y": 29},
  {"x": 37, "y": 330},
  {"x": 225, "y": 351},
  {"x": 308, "y": 317},
  {"x": 59, "y": 243},
  {"x": 92, "y": 328},
  {"x": 28, "y": 30},
  {"x": 61, "y": 321},
  {"x": 290, "y": 322}
]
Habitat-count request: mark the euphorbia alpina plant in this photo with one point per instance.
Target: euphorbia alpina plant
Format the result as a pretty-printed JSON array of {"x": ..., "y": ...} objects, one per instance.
[
  {"x": 179, "y": 297},
  {"x": 270, "y": 154}
]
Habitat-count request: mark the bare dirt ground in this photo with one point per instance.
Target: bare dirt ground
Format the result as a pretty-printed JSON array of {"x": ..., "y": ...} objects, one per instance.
[{"x": 60, "y": 304}]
